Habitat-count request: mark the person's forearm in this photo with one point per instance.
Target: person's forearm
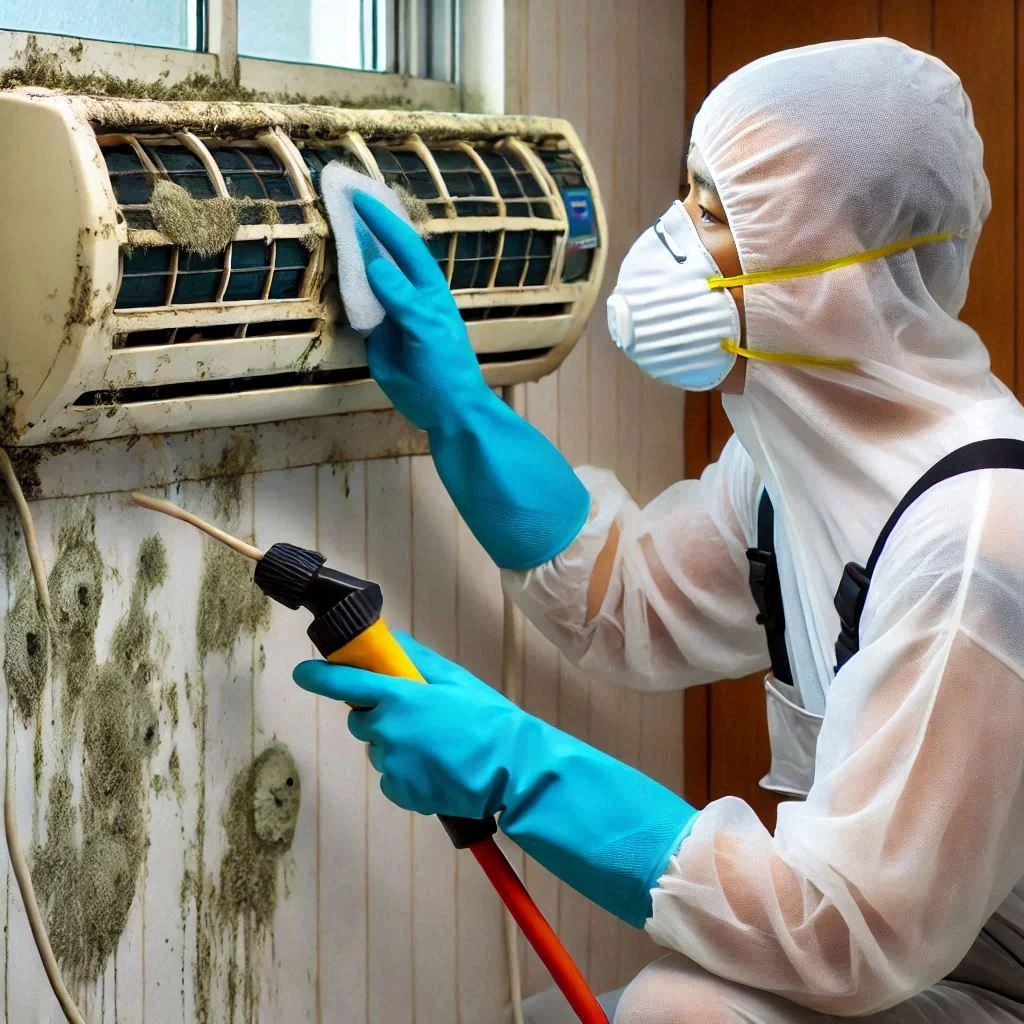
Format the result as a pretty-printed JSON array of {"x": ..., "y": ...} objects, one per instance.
[{"x": 515, "y": 490}]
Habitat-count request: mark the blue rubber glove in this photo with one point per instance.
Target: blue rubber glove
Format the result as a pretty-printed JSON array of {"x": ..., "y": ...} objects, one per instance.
[
  {"x": 513, "y": 488},
  {"x": 458, "y": 747}
]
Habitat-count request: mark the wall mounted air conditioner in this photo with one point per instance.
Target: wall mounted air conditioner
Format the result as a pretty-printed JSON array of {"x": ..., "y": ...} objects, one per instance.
[{"x": 115, "y": 326}]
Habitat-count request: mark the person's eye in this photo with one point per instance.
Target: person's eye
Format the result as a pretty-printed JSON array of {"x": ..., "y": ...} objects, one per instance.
[{"x": 708, "y": 218}]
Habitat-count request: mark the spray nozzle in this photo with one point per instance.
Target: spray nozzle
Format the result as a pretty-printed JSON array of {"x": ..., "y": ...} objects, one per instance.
[{"x": 342, "y": 605}]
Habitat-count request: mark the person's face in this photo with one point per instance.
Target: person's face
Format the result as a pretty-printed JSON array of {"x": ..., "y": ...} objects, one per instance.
[{"x": 704, "y": 206}]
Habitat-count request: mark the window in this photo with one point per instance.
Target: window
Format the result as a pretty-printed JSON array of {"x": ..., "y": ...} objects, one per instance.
[
  {"x": 169, "y": 23},
  {"x": 407, "y": 38},
  {"x": 410, "y": 36}
]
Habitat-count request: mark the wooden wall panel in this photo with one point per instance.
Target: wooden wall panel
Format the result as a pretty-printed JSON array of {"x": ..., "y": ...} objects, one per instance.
[{"x": 982, "y": 51}]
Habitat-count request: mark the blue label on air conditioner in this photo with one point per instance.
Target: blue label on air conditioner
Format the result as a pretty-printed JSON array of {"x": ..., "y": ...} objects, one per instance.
[{"x": 579, "y": 207}]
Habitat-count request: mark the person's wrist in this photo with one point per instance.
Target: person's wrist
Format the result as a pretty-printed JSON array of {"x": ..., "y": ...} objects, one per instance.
[{"x": 465, "y": 412}]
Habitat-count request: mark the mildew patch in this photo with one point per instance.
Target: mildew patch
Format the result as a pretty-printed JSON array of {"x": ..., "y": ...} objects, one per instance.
[
  {"x": 230, "y": 605},
  {"x": 26, "y": 649},
  {"x": 76, "y": 594},
  {"x": 260, "y": 819},
  {"x": 88, "y": 888}
]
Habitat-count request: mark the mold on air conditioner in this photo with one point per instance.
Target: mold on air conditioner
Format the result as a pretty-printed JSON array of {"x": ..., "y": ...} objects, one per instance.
[{"x": 167, "y": 265}]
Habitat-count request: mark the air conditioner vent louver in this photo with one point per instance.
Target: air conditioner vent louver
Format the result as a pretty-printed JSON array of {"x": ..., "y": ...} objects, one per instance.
[
  {"x": 246, "y": 271},
  {"x": 187, "y": 276},
  {"x": 244, "y": 385}
]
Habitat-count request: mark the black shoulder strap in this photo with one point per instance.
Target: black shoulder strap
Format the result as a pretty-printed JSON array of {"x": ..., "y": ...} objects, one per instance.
[
  {"x": 994, "y": 453},
  {"x": 766, "y": 590}
]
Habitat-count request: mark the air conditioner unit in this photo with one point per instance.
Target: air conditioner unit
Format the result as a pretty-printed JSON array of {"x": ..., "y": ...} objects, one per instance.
[{"x": 118, "y": 322}]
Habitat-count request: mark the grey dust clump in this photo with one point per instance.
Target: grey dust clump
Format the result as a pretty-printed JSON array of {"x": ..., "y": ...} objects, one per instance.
[
  {"x": 230, "y": 605},
  {"x": 202, "y": 226},
  {"x": 417, "y": 209},
  {"x": 260, "y": 819},
  {"x": 87, "y": 887},
  {"x": 205, "y": 226}
]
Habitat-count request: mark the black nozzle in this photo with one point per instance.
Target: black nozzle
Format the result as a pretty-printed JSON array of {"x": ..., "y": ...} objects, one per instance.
[
  {"x": 342, "y": 605},
  {"x": 285, "y": 573}
]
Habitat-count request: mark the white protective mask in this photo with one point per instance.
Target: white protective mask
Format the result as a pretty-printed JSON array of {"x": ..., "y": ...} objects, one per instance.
[
  {"x": 663, "y": 314},
  {"x": 671, "y": 311}
]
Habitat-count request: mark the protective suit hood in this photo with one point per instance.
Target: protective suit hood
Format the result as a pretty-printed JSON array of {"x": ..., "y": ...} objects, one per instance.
[{"x": 819, "y": 153}]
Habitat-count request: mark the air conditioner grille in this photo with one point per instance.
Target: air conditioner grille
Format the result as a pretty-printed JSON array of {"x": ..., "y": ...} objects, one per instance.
[
  {"x": 563, "y": 167},
  {"x": 247, "y": 171},
  {"x": 316, "y": 158},
  {"x": 130, "y": 181},
  {"x": 246, "y": 272},
  {"x": 516, "y": 185},
  {"x": 183, "y": 167},
  {"x": 141, "y": 394},
  {"x": 253, "y": 172},
  {"x": 407, "y": 169},
  {"x": 192, "y": 335}
]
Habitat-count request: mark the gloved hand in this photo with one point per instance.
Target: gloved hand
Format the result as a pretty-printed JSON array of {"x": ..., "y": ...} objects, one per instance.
[
  {"x": 513, "y": 488},
  {"x": 458, "y": 747}
]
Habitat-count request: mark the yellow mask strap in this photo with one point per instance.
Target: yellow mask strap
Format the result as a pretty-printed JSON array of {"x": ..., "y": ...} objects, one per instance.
[
  {"x": 788, "y": 358},
  {"x": 807, "y": 269}
]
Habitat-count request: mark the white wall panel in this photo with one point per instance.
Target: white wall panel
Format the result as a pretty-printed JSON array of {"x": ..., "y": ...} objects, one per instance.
[{"x": 377, "y": 921}]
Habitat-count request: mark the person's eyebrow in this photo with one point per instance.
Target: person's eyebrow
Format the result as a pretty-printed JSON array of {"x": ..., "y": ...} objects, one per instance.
[{"x": 700, "y": 173}]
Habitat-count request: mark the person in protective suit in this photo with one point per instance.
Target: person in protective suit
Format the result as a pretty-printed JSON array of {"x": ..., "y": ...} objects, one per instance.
[{"x": 815, "y": 274}]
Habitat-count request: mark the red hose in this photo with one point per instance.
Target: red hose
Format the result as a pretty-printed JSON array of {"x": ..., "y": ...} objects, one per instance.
[{"x": 538, "y": 932}]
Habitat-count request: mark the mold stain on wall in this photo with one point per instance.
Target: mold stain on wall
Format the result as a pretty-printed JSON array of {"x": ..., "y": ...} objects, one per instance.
[
  {"x": 76, "y": 594},
  {"x": 26, "y": 649},
  {"x": 87, "y": 870},
  {"x": 260, "y": 819},
  {"x": 91, "y": 830}
]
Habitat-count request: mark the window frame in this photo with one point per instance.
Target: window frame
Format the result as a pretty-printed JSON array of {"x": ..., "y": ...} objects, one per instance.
[{"x": 220, "y": 33}]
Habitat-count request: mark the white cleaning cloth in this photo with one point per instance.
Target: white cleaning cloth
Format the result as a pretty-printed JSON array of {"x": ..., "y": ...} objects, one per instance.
[{"x": 353, "y": 243}]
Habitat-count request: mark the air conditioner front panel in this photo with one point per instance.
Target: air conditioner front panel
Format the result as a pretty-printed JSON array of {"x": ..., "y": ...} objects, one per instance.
[{"x": 129, "y": 321}]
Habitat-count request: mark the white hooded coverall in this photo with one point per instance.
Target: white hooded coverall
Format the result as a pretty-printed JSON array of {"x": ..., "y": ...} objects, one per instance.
[{"x": 893, "y": 889}]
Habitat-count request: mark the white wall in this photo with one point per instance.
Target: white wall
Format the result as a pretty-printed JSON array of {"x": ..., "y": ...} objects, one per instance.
[
  {"x": 614, "y": 68},
  {"x": 378, "y": 921}
]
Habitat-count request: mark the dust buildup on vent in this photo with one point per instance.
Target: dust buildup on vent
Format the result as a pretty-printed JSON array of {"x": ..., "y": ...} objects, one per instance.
[
  {"x": 256, "y": 211},
  {"x": 202, "y": 226},
  {"x": 419, "y": 212},
  {"x": 47, "y": 69}
]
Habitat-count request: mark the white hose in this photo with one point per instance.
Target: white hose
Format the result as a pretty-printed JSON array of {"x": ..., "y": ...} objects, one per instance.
[{"x": 18, "y": 863}]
